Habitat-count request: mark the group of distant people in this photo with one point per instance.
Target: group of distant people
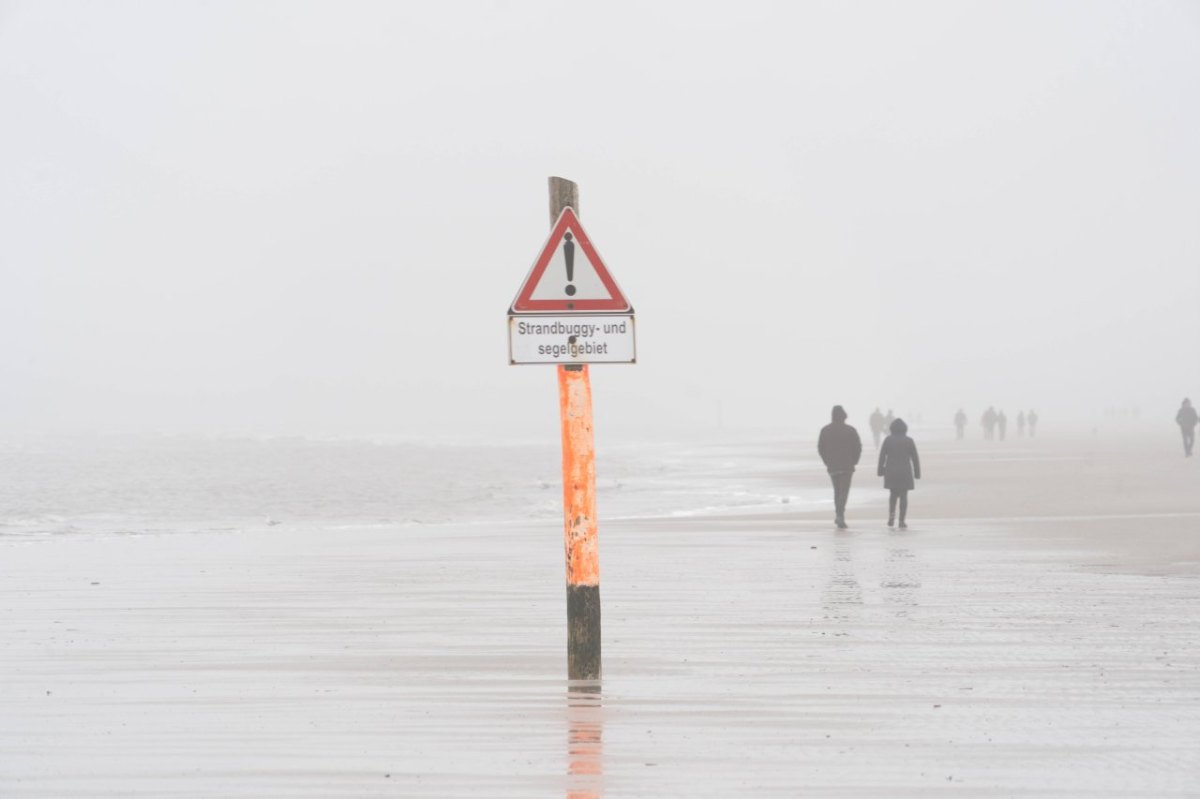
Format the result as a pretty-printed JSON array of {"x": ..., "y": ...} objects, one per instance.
[
  {"x": 995, "y": 424},
  {"x": 899, "y": 465},
  {"x": 879, "y": 423}
]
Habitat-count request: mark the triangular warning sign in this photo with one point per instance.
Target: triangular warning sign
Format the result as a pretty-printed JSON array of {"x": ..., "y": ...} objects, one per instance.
[{"x": 569, "y": 275}]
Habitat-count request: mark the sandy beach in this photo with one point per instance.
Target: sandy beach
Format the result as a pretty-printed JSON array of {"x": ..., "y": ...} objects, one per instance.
[
  {"x": 1034, "y": 633},
  {"x": 444, "y": 400}
]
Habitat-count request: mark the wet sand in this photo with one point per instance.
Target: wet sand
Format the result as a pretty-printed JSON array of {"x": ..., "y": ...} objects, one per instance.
[{"x": 1035, "y": 633}]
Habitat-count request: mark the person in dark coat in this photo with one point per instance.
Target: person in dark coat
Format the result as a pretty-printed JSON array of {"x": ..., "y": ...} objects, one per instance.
[
  {"x": 899, "y": 466},
  {"x": 989, "y": 423},
  {"x": 876, "y": 422},
  {"x": 1187, "y": 419},
  {"x": 960, "y": 424},
  {"x": 840, "y": 448}
]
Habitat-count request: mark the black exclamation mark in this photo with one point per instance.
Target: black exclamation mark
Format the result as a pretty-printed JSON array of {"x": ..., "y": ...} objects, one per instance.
[{"x": 569, "y": 256}]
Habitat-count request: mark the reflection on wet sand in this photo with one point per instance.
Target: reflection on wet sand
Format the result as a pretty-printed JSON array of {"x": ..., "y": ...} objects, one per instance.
[
  {"x": 901, "y": 574},
  {"x": 898, "y": 575},
  {"x": 585, "y": 741},
  {"x": 843, "y": 598}
]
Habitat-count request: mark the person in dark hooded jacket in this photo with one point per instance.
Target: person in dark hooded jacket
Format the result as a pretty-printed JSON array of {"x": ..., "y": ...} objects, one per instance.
[
  {"x": 840, "y": 448},
  {"x": 899, "y": 466}
]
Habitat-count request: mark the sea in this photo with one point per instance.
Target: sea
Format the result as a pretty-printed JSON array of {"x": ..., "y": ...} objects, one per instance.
[{"x": 135, "y": 485}]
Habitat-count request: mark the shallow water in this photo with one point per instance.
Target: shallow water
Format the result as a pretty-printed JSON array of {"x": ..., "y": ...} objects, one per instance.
[{"x": 155, "y": 485}]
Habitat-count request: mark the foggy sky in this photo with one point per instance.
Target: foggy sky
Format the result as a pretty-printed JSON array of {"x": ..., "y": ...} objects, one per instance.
[{"x": 310, "y": 218}]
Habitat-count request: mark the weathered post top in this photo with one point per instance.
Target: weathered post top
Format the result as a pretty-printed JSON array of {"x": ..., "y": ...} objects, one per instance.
[{"x": 563, "y": 193}]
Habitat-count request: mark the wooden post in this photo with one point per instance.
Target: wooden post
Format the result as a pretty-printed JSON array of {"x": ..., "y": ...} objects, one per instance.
[{"x": 579, "y": 495}]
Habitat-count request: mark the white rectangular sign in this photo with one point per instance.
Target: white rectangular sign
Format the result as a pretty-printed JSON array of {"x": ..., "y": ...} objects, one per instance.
[{"x": 571, "y": 338}]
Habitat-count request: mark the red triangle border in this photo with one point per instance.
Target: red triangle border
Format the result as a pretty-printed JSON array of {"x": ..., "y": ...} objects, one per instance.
[{"x": 524, "y": 303}]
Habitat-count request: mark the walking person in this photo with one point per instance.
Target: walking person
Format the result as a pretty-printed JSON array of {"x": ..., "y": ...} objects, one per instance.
[
  {"x": 899, "y": 466},
  {"x": 960, "y": 423},
  {"x": 1187, "y": 419},
  {"x": 840, "y": 448},
  {"x": 1001, "y": 424},
  {"x": 876, "y": 422},
  {"x": 989, "y": 423},
  {"x": 1033, "y": 419},
  {"x": 1020, "y": 424}
]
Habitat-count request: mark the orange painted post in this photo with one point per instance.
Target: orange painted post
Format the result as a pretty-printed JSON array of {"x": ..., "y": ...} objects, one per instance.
[{"x": 579, "y": 495}]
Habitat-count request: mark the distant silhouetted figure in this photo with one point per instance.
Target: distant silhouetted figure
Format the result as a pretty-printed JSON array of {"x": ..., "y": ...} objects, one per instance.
[
  {"x": 876, "y": 426},
  {"x": 1032, "y": 419},
  {"x": 840, "y": 448},
  {"x": 1186, "y": 419},
  {"x": 1001, "y": 424},
  {"x": 899, "y": 466},
  {"x": 1020, "y": 424},
  {"x": 989, "y": 423},
  {"x": 887, "y": 420},
  {"x": 960, "y": 423}
]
